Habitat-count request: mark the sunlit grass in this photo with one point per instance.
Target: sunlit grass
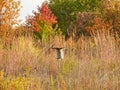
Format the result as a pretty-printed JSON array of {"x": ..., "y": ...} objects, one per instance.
[{"x": 93, "y": 64}]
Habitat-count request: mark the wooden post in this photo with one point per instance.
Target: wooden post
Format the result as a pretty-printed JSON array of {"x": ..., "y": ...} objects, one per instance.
[{"x": 60, "y": 53}]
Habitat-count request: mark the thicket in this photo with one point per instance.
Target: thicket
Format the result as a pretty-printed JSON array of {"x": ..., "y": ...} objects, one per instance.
[
  {"x": 66, "y": 10},
  {"x": 110, "y": 10},
  {"x": 81, "y": 15}
]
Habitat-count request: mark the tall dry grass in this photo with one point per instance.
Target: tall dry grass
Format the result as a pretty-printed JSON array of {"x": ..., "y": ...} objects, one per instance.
[
  {"x": 98, "y": 60},
  {"x": 92, "y": 64}
]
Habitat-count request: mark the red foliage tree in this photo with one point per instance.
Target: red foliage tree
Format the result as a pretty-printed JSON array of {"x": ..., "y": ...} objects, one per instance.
[{"x": 43, "y": 16}]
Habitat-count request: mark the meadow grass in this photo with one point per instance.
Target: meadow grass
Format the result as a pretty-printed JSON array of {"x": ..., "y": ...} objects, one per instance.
[{"x": 93, "y": 63}]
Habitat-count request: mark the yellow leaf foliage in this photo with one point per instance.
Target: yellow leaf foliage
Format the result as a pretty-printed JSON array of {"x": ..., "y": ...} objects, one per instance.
[{"x": 9, "y": 12}]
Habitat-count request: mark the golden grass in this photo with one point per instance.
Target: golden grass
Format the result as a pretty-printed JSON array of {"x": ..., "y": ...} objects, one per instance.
[{"x": 92, "y": 64}]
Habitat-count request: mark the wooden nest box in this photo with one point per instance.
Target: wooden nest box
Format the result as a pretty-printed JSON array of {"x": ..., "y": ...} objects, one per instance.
[{"x": 59, "y": 47}]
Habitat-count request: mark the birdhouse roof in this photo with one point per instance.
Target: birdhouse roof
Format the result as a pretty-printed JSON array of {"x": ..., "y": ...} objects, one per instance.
[{"x": 58, "y": 42}]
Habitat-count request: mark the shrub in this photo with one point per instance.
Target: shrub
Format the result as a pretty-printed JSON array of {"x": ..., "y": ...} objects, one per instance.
[
  {"x": 42, "y": 23},
  {"x": 99, "y": 26},
  {"x": 88, "y": 24},
  {"x": 110, "y": 11}
]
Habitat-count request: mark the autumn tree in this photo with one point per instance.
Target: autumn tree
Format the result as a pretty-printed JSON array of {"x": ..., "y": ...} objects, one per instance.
[
  {"x": 110, "y": 10},
  {"x": 66, "y": 10},
  {"x": 9, "y": 12},
  {"x": 42, "y": 22}
]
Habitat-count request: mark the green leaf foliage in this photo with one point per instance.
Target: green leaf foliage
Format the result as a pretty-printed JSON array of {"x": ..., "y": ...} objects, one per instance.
[
  {"x": 110, "y": 11},
  {"x": 66, "y": 10}
]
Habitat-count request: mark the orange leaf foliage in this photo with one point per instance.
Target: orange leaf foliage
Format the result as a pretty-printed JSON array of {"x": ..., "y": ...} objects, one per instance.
[
  {"x": 9, "y": 12},
  {"x": 44, "y": 15},
  {"x": 98, "y": 25}
]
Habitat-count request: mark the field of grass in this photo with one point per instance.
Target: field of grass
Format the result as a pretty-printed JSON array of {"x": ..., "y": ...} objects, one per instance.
[{"x": 93, "y": 63}]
